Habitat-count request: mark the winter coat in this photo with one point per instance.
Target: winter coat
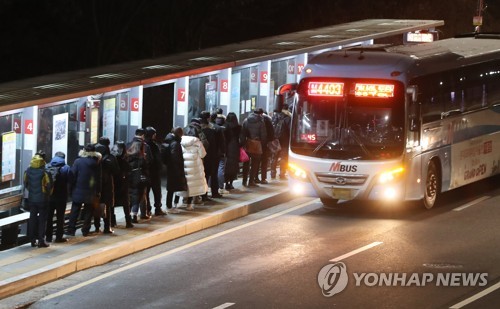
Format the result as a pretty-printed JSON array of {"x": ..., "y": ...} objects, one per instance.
[
  {"x": 253, "y": 128},
  {"x": 155, "y": 165},
  {"x": 37, "y": 181},
  {"x": 284, "y": 136},
  {"x": 60, "y": 187},
  {"x": 148, "y": 156},
  {"x": 121, "y": 180},
  {"x": 268, "y": 124},
  {"x": 174, "y": 159},
  {"x": 220, "y": 137},
  {"x": 110, "y": 170},
  {"x": 232, "y": 135},
  {"x": 85, "y": 177},
  {"x": 214, "y": 150},
  {"x": 193, "y": 153}
]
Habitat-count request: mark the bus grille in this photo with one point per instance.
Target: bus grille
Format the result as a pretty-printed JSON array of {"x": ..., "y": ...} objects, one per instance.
[{"x": 342, "y": 179}]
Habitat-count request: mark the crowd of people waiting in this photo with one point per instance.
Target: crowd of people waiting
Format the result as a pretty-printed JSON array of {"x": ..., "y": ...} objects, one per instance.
[{"x": 205, "y": 154}]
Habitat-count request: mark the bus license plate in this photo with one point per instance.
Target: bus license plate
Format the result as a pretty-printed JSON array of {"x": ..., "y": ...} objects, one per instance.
[{"x": 342, "y": 194}]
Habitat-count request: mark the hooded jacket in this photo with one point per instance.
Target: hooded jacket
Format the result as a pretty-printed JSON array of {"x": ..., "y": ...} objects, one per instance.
[
  {"x": 85, "y": 177},
  {"x": 60, "y": 187},
  {"x": 193, "y": 153},
  {"x": 37, "y": 181}
]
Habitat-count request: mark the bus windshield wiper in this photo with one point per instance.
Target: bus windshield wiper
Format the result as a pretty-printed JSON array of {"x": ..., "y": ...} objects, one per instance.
[
  {"x": 322, "y": 144},
  {"x": 358, "y": 141}
]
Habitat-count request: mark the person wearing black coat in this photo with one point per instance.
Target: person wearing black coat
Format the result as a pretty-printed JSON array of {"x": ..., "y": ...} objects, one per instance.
[
  {"x": 266, "y": 153},
  {"x": 85, "y": 183},
  {"x": 110, "y": 170},
  {"x": 173, "y": 158},
  {"x": 121, "y": 183},
  {"x": 232, "y": 137},
  {"x": 155, "y": 168},
  {"x": 253, "y": 127},
  {"x": 214, "y": 152},
  {"x": 138, "y": 178},
  {"x": 281, "y": 123},
  {"x": 58, "y": 198}
]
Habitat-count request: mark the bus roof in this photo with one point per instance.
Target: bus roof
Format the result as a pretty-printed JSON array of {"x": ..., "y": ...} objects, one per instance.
[{"x": 417, "y": 59}]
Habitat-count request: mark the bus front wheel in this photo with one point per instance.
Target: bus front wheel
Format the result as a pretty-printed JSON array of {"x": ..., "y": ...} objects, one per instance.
[{"x": 431, "y": 185}]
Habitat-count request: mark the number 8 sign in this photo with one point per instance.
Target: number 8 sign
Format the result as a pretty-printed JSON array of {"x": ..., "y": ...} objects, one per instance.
[{"x": 224, "y": 85}]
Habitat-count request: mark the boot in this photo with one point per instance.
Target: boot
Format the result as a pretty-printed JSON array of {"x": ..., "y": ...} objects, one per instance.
[
  {"x": 134, "y": 219},
  {"x": 244, "y": 182},
  {"x": 128, "y": 220},
  {"x": 113, "y": 220}
]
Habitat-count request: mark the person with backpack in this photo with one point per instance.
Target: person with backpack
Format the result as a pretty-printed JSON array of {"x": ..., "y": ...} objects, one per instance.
[
  {"x": 172, "y": 157},
  {"x": 281, "y": 124},
  {"x": 38, "y": 182},
  {"x": 59, "y": 171}
]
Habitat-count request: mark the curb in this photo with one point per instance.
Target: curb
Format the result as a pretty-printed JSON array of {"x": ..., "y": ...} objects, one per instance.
[{"x": 57, "y": 270}]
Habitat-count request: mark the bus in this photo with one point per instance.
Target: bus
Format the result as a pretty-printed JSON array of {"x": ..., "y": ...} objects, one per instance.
[{"x": 396, "y": 123}]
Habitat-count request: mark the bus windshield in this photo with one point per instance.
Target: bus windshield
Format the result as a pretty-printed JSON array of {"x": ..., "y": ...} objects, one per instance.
[{"x": 353, "y": 121}]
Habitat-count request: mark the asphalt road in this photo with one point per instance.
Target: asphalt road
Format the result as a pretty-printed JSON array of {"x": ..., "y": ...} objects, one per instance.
[{"x": 399, "y": 256}]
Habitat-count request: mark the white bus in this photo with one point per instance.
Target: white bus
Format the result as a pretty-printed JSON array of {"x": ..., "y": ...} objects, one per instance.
[{"x": 400, "y": 123}]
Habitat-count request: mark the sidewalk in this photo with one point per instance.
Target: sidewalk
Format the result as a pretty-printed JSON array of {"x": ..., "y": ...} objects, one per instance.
[{"x": 24, "y": 267}]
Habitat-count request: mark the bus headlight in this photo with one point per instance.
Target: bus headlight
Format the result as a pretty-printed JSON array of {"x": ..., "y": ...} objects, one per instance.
[
  {"x": 391, "y": 175},
  {"x": 297, "y": 172}
]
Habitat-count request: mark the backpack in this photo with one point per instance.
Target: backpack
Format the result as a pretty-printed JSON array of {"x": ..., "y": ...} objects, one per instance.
[
  {"x": 204, "y": 140},
  {"x": 54, "y": 172}
]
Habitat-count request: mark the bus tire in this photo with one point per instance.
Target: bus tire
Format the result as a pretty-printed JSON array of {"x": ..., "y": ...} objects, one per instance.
[
  {"x": 432, "y": 185},
  {"x": 329, "y": 203}
]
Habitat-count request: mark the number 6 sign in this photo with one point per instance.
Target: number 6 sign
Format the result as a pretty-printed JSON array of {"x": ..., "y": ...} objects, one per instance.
[{"x": 134, "y": 104}]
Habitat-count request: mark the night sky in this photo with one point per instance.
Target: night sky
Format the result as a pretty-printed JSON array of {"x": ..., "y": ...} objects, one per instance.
[{"x": 45, "y": 37}]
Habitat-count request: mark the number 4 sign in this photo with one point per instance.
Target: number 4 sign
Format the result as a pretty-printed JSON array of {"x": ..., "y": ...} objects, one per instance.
[{"x": 28, "y": 126}]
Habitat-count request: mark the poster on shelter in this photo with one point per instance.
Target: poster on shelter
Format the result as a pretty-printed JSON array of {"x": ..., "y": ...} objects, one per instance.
[
  {"x": 94, "y": 125},
  {"x": 8, "y": 156},
  {"x": 60, "y": 133},
  {"x": 108, "y": 119}
]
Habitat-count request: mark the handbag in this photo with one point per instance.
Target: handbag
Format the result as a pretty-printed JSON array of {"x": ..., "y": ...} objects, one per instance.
[
  {"x": 243, "y": 155},
  {"x": 274, "y": 146},
  {"x": 253, "y": 146}
]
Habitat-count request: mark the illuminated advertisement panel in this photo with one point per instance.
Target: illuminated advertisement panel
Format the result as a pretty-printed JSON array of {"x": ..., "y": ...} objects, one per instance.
[
  {"x": 325, "y": 89},
  {"x": 374, "y": 90}
]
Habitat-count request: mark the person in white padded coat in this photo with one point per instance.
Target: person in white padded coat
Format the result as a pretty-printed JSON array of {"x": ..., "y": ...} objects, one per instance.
[{"x": 193, "y": 153}]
